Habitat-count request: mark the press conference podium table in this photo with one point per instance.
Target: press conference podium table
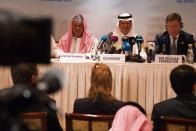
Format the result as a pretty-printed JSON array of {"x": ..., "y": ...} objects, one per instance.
[{"x": 145, "y": 83}]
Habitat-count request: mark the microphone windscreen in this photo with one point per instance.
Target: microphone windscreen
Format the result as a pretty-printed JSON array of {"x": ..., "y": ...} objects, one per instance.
[
  {"x": 110, "y": 34},
  {"x": 114, "y": 38},
  {"x": 104, "y": 38},
  {"x": 125, "y": 39},
  {"x": 132, "y": 40},
  {"x": 51, "y": 81},
  {"x": 126, "y": 46},
  {"x": 139, "y": 39}
]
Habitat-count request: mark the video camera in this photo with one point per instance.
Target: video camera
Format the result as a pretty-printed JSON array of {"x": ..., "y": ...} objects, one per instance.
[{"x": 24, "y": 39}]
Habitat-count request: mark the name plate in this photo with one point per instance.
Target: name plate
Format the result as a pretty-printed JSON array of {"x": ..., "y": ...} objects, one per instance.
[
  {"x": 176, "y": 59},
  {"x": 74, "y": 57},
  {"x": 112, "y": 58}
]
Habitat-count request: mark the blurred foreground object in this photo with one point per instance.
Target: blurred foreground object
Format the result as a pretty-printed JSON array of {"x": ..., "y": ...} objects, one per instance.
[{"x": 24, "y": 39}]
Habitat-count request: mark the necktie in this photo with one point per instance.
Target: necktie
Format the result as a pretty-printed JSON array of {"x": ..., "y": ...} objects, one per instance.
[{"x": 173, "y": 46}]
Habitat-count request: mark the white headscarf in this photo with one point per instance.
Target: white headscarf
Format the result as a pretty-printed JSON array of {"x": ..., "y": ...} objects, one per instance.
[{"x": 118, "y": 33}]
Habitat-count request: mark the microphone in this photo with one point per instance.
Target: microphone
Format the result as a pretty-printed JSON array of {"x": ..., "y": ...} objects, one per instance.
[
  {"x": 163, "y": 42},
  {"x": 109, "y": 35},
  {"x": 105, "y": 43},
  {"x": 119, "y": 51},
  {"x": 150, "y": 54},
  {"x": 139, "y": 41},
  {"x": 125, "y": 45},
  {"x": 126, "y": 48},
  {"x": 103, "y": 40},
  {"x": 114, "y": 39},
  {"x": 132, "y": 40},
  {"x": 113, "y": 50},
  {"x": 51, "y": 81}
]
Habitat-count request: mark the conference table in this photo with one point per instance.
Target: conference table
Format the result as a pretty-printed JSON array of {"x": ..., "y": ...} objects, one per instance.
[{"x": 145, "y": 83}]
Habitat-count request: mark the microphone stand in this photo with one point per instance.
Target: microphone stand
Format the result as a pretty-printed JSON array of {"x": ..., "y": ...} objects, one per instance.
[
  {"x": 150, "y": 56},
  {"x": 163, "y": 49},
  {"x": 139, "y": 57}
]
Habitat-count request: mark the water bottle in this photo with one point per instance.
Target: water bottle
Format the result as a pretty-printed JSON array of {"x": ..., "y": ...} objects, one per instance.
[
  {"x": 190, "y": 54},
  {"x": 151, "y": 52}
]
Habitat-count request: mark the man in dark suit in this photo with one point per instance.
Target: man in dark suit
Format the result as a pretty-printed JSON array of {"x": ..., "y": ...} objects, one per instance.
[
  {"x": 183, "y": 82},
  {"x": 174, "y": 40},
  {"x": 25, "y": 97}
]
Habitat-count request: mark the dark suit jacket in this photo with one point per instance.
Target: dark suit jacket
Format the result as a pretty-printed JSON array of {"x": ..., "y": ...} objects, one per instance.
[
  {"x": 183, "y": 107},
  {"x": 99, "y": 106},
  {"x": 13, "y": 101},
  {"x": 182, "y": 44}
]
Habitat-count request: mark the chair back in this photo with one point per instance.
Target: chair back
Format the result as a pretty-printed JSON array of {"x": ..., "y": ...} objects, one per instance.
[
  {"x": 177, "y": 124},
  {"x": 88, "y": 122},
  {"x": 35, "y": 121}
]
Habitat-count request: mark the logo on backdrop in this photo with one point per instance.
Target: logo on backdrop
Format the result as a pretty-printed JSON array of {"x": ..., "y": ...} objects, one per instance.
[
  {"x": 59, "y": 0},
  {"x": 185, "y": 1}
]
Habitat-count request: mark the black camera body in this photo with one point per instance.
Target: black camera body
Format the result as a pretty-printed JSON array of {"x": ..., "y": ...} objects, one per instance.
[{"x": 24, "y": 39}]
